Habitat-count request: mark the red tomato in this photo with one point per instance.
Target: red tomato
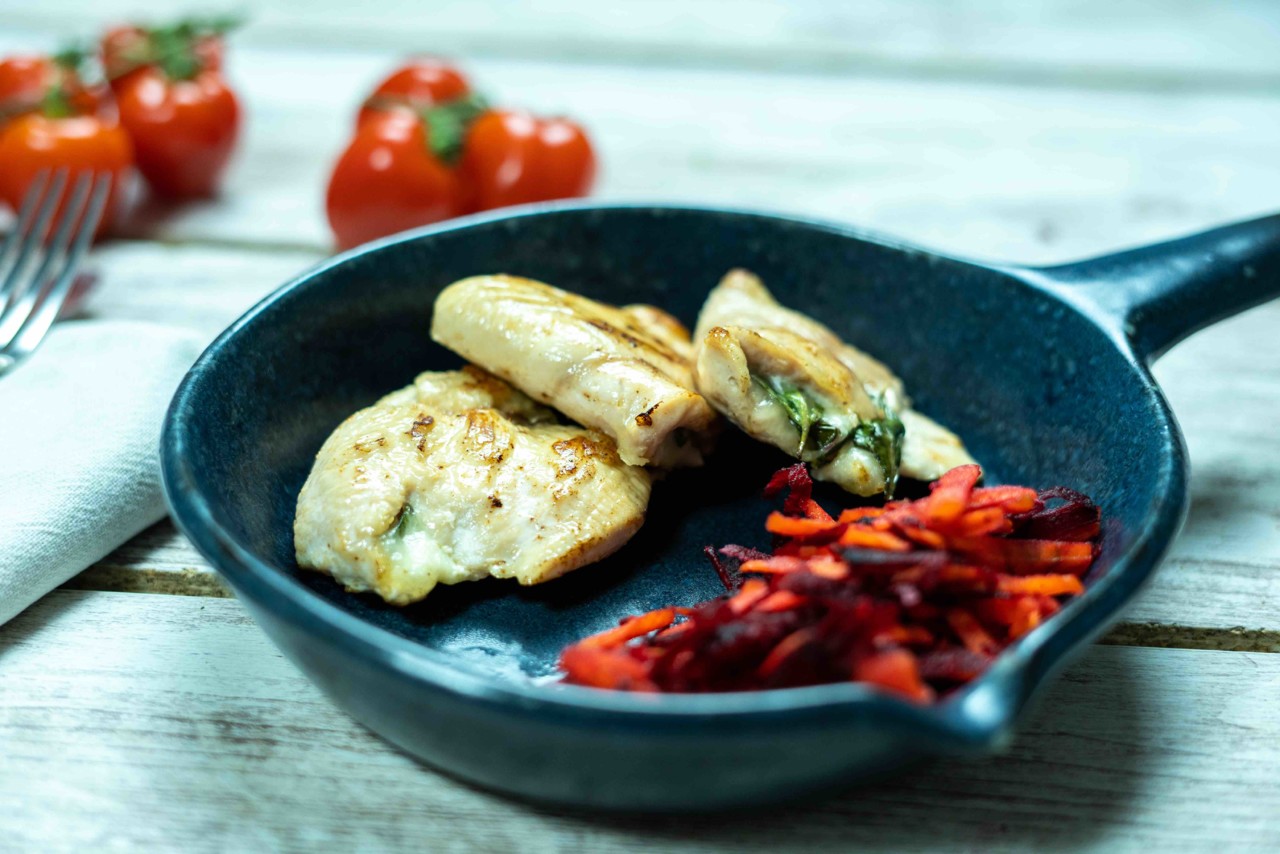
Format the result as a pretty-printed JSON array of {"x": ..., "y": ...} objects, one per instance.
[
  {"x": 34, "y": 142},
  {"x": 512, "y": 158},
  {"x": 122, "y": 49},
  {"x": 419, "y": 84},
  {"x": 23, "y": 82},
  {"x": 125, "y": 49},
  {"x": 388, "y": 180},
  {"x": 183, "y": 130}
]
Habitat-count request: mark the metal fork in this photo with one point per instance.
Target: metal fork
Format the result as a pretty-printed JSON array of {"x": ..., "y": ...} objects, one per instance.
[{"x": 36, "y": 273}]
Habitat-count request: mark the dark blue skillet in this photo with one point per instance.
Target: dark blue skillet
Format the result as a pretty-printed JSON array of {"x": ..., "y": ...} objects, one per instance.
[{"x": 1042, "y": 370}]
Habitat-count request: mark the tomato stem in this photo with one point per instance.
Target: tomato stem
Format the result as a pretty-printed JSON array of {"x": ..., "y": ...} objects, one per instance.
[
  {"x": 56, "y": 104},
  {"x": 447, "y": 125},
  {"x": 173, "y": 48}
]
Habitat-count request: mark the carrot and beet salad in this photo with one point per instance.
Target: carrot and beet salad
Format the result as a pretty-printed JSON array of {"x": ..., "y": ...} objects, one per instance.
[{"x": 916, "y": 597}]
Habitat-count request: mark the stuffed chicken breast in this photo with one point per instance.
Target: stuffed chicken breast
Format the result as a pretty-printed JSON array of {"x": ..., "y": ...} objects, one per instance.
[
  {"x": 624, "y": 371},
  {"x": 460, "y": 477},
  {"x": 788, "y": 380}
]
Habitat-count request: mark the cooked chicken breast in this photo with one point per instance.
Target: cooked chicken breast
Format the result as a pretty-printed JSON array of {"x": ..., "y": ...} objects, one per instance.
[
  {"x": 788, "y": 380},
  {"x": 624, "y": 371},
  {"x": 460, "y": 477},
  {"x": 929, "y": 450}
]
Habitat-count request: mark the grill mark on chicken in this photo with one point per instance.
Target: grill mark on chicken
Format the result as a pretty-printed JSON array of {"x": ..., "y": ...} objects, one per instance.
[
  {"x": 597, "y": 363},
  {"x": 420, "y": 508}
]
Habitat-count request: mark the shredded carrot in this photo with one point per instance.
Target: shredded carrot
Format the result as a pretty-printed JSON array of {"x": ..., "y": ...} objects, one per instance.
[
  {"x": 1044, "y": 585},
  {"x": 857, "y": 514},
  {"x": 984, "y": 521},
  {"x": 1032, "y": 556},
  {"x": 971, "y": 633},
  {"x": 782, "y": 600},
  {"x": 905, "y": 636},
  {"x": 813, "y": 510},
  {"x": 785, "y": 649},
  {"x": 924, "y": 537},
  {"x": 752, "y": 592},
  {"x": 895, "y": 670},
  {"x": 791, "y": 526},
  {"x": 865, "y": 537},
  {"x": 777, "y": 565},
  {"x": 951, "y": 492},
  {"x": 598, "y": 668},
  {"x": 1011, "y": 499},
  {"x": 1048, "y": 605},
  {"x": 673, "y": 630},
  {"x": 829, "y": 567},
  {"x": 999, "y": 610},
  {"x": 632, "y": 627},
  {"x": 1026, "y": 616},
  {"x": 916, "y": 597}
]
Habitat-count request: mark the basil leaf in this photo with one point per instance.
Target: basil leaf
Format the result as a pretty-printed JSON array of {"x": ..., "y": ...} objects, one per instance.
[
  {"x": 404, "y": 524},
  {"x": 883, "y": 438},
  {"x": 801, "y": 410},
  {"x": 820, "y": 439}
]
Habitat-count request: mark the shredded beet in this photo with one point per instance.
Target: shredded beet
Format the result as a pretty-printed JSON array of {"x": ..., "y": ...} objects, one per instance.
[
  {"x": 721, "y": 570},
  {"x": 916, "y": 597}
]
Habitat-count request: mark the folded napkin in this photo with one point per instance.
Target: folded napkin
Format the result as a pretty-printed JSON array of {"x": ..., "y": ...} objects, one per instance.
[{"x": 79, "y": 448}]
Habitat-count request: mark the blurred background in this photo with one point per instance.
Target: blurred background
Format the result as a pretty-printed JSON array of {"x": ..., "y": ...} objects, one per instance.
[{"x": 1032, "y": 131}]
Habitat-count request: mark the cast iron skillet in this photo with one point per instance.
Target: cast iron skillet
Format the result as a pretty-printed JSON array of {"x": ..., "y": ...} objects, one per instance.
[{"x": 1042, "y": 370}]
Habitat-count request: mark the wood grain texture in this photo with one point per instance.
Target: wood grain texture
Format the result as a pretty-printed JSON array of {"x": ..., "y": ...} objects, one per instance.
[
  {"x": 1151, "y": 43},
  {"x": 171, "y": 721},
  {"x": 978, "y": 169},
  {"x": 200, "y": 288}
]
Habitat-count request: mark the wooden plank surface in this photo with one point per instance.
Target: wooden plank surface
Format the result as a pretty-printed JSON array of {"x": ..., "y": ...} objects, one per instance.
[
  {"x": 990, "y": 171},
  {"x": 987, "y": 170},
  {"x": 171, "y": 721},
  {"x": 1222, "y": 573},
  {"x": 1151, "y": 43}
]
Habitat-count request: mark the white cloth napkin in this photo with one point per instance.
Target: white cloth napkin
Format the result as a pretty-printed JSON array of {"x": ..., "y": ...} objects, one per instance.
[{"x": 79, "y": 448}]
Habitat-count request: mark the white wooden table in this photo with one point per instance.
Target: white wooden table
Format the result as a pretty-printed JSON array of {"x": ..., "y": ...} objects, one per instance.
[{"x": 140, "y": 706}]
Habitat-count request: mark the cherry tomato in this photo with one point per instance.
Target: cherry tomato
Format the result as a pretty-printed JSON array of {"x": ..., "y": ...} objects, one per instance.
[
  {"x": 122, "y": 49},
  {"x": 23, "y": 82},
  {"x": 511, "y": 158},
  {"x": 35, "y": 142},
  {"x": 388, "y": 180},
  {"x": 419, "y": 84},
  {"x": 183, "y": 130},
  {"x": 127, "y": 48}
]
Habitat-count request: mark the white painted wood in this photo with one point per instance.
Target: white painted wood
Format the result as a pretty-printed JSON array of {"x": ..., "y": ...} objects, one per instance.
[
  {"x": 1000, "y": 171},
  {"x": 201, "y": 288},
  {"x": 1224, "y": 386},
  {"x": 1137, "y": 42},
  {"x": 171, "y": 722}
]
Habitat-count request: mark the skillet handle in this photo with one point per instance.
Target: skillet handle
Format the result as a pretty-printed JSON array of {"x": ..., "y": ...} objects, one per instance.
[{"x": 1157, "y": 295}]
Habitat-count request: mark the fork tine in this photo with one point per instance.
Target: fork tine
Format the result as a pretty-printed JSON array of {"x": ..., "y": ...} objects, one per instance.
[
  {"x": 33, "y": 238},
  {"x": 26, "y": 212},
  {"x": 24, "y": 302},
  {"x": 37, "y": 326}
]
